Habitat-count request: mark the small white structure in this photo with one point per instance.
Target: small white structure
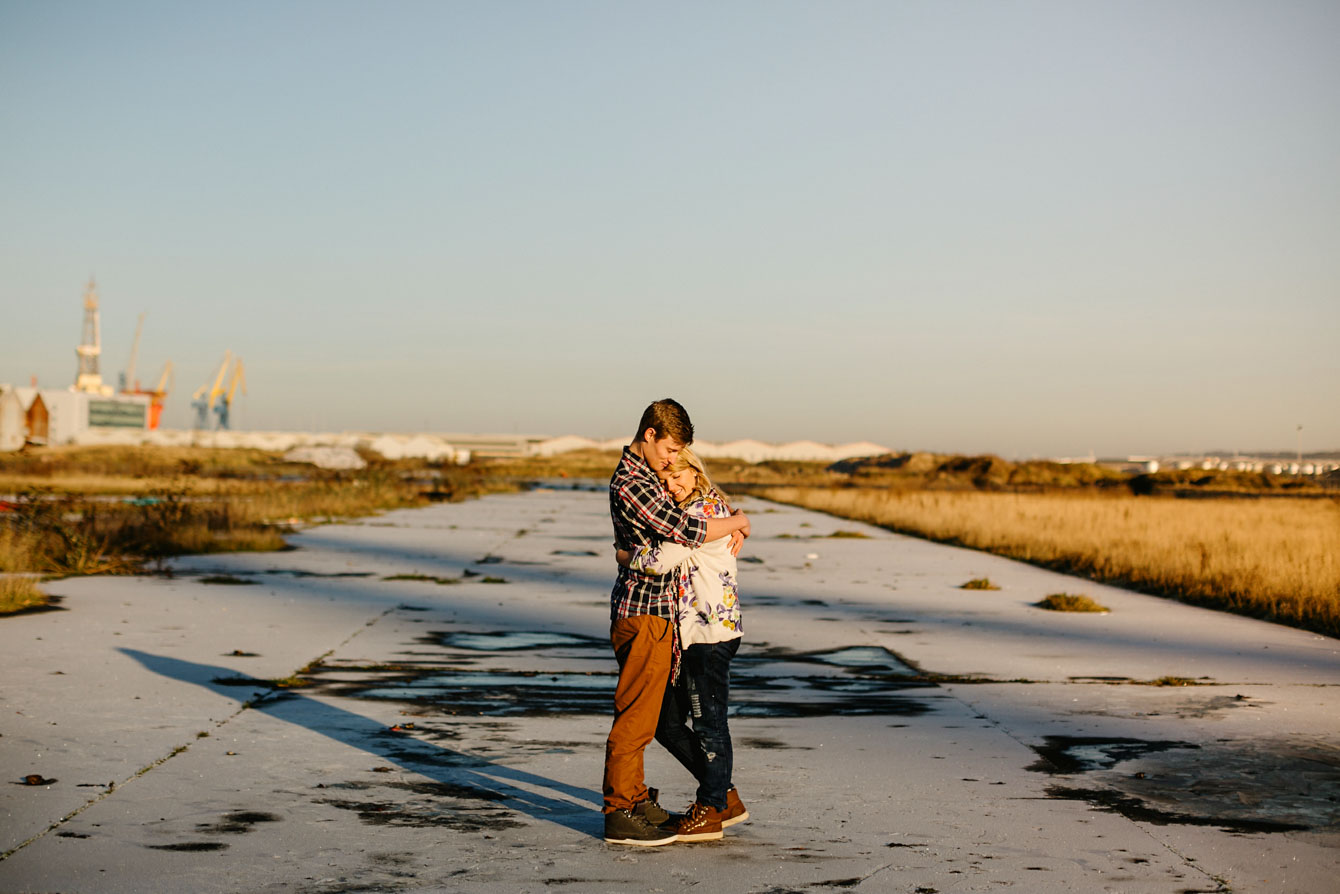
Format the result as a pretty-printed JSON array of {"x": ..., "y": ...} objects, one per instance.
[{"x": 13, "y": 420}]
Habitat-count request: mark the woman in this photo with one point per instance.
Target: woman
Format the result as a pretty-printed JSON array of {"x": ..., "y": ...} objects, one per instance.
[{"x": 709, "y": 628}]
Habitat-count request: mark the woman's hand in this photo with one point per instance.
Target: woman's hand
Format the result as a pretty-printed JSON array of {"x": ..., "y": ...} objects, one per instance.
[
  {"x": 744, "y": 529},
  {"x": 736, "y": 541}
]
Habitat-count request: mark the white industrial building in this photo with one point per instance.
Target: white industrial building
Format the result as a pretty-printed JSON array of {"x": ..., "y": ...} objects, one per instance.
[{"x": 69, "y": 414}]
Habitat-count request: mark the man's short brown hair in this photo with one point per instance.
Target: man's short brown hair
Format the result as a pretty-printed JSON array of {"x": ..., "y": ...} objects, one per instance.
[{"x": 668, "y": 420}]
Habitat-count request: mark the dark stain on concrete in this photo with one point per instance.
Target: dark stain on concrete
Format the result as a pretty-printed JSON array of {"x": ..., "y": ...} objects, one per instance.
[
  {"x": 764, "y": 744},
  {"x": 298, "y": 572},
  {"x": 1076, "y": 754},
  {"x": 461, "y": 675},
  {"x": 191, "y": 847},
  {"x": 237, "y": 822},
  {"x": 1136, "y": 809},
  {"x": 1244, "y": 786},
  {"x": 461, "y": 808}
]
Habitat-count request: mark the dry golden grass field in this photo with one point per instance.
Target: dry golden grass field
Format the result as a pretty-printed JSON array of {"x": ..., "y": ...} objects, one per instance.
[{"x": 1272, "y": 558}]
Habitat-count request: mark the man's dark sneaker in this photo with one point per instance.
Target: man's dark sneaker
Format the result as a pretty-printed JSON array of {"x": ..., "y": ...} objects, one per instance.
[
  {"x": 735, "y": 811},
  {"x": 652, "y": 810},
  {"x": 626, "y": 827},
  {"x": 701, "y": 823}
]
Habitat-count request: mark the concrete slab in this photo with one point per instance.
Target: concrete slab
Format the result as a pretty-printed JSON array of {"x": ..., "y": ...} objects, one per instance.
[{"x": 893, "y": 732}]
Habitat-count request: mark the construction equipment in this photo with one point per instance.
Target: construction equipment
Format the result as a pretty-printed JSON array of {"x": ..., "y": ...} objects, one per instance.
[
  {"x": 224, "y": 407},
  {"x": 128, "y": 383},
  {"x": 202, "y": 401},
  {"x": 88, "y": 379},
  {"x": 157, "y": 396}
]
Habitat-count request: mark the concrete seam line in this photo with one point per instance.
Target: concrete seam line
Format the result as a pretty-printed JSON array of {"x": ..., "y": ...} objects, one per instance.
[
  {"x": 110, "y": 791},
  {"x": 1166, "y": 845},
  {"x": 249, "y": 703}
]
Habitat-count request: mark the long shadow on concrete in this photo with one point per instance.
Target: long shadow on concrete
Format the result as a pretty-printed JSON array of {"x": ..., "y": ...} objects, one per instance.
[{"x": 484, "y": 779}]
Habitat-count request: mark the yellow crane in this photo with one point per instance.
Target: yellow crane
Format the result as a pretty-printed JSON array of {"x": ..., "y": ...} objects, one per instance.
[
  {"x": 128, "y": 383},
  {"x": 203, "y": 398},
  {"x": 224, "y": 407}
]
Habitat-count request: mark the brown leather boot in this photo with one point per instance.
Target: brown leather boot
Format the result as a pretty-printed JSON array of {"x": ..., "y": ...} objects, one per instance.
[
  {"x": 701, "y": 823},
  {"x": 735, "y": 811}
]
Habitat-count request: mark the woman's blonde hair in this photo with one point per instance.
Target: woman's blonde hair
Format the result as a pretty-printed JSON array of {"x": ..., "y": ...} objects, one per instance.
[{"x": 689, "y": 460}]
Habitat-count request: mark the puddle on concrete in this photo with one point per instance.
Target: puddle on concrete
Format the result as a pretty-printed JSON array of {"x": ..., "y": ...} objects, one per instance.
[
  {"x": 1239, "y": 786},
  {"x": 543, "y": 673}
]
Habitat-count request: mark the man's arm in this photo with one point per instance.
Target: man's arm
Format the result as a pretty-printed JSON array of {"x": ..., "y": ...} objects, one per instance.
[{"x": 651, "y": 510}]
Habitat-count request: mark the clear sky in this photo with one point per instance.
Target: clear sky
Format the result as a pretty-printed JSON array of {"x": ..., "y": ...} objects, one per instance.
[{"x": 1030, "y": 228}]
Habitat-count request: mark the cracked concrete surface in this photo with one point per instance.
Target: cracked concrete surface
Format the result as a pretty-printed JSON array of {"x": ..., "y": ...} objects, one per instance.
[{"x": 893, "y": 732}]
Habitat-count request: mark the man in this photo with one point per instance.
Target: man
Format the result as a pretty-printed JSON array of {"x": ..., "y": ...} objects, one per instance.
[{"x": 642, "y": 616}]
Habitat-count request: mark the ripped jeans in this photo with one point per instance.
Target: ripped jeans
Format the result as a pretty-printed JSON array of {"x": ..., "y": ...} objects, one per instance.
[{"x": 702, "y": 696}]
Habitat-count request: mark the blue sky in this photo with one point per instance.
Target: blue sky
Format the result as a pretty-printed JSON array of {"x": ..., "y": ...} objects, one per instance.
[{"x": 1030, "y": 228}]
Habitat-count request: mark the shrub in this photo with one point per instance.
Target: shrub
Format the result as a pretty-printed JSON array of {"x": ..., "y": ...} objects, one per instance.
[{"x": 1070, "y": 602}]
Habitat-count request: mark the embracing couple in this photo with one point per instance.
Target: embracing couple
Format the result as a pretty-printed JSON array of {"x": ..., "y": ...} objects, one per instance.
[{"x": 675, "y": 626}]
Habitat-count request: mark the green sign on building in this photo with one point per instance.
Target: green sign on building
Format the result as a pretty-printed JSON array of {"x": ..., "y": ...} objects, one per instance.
[{"x": 116, "y": 414}]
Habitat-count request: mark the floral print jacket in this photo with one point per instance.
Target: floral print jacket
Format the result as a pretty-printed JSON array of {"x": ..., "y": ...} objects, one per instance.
[{"x": 708, "y": 603}]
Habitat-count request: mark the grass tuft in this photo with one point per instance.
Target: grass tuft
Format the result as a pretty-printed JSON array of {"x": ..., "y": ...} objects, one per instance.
[
  {"x": 20, "y": 594},
  {"x": 1070, "y": 602},
  {"x": 979, "y": 583},
  {"x": 1174, "y": 681}
]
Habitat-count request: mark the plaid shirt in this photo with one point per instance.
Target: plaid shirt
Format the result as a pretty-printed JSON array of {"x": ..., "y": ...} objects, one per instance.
[{"x": 643, "y": 513}]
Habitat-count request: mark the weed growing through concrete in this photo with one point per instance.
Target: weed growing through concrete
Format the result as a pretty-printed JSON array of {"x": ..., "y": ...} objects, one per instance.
[{"x": 1071, "y": 602}]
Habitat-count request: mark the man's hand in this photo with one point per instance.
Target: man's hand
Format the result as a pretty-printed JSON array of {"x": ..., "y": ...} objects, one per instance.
[
  {"x": 623, "y": 557},
  {"x": 736, "y": 541}
]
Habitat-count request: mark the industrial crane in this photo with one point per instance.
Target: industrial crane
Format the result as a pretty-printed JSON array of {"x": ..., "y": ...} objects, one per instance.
[
  {"x": 128, "y": 383},
  {"x": 202, "y": 401},
  {"x": 157, "y": 396},
  {"x": 225, "y": 405}
]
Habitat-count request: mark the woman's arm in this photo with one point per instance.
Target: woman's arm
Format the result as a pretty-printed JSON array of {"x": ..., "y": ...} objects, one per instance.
[{"x": 660, "y": 558}]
